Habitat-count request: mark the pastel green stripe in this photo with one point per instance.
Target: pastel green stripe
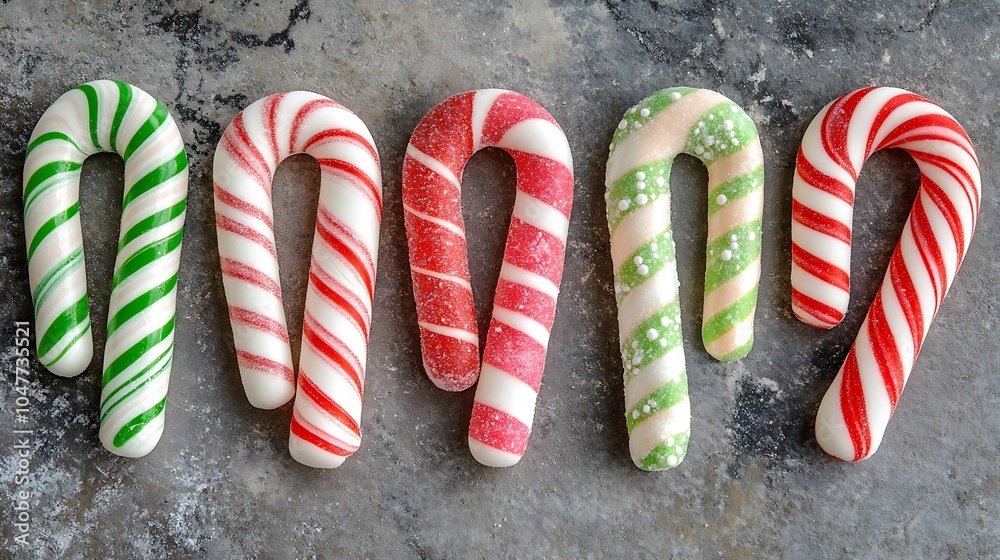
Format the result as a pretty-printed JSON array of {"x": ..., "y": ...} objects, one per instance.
[
  {"x": 740, "y": 352},
  {"x": 50, "y": 226},
  {"x": 647, "y": 110},
  {"x": 156, "y": 177},
  {"x": 663, "y": 398},
  {"x": 157, "y": 118},
  {"x": 722, "y": 322},
  {"x": 129, "y": 357},
  {"x": 637, "y": 188},
  {"x": 148, "y": 372},
  {"x": 93, "y": 104},
  {"x": 70, "y": 318},
  {"x": 734, "y": 189},
  {"x": 83, "y": 332},
  {"x": 660, "y": 457},
  {"x": 644, "y": 264},
  {"x": 722, "y": 131},
  {"x": 152, "y": 222},
  {"x": 137, "y": 305},
  {"x": 136, "y": 425},
  {"x": 124, "y": 100},
  {"x": 53, "y": 277},
  {"x": 48, "y": 137},
  {"x": 38, "y": 183},
  {"x": 748, "y": 251},
  {"x": 145, "y": 256},
  {"x": 639, "y": 349}
]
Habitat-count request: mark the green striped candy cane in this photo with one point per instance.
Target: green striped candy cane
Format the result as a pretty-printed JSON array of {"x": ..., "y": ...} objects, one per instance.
[
  {"x": 109, "y": 116},
  {"x": 712, "y": 128}
]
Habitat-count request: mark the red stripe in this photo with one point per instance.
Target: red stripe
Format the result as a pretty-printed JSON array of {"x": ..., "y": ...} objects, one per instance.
[
  {"x": 327, "y": 405},
  {"x": 332, "y": 134},
  {"x": 333, "y": 234},
  {"x": 350, "y": 170},
  {"x": 308, "y": 433},
  {"x": 303, "y": 113},
  {"x": 930, "y": 251},
  {"x": 957, "y": 172},
  {"x": 885, "y": 350},
  {"x": 330, "y": 348},
  {"x": 251, "y": 275},
  {"x": 516, "y": 353},
  {"x": 852, "y": 406},
  {"x": 259, "y": 321},
  {"x": 243, "y": 149},
  {"x": 270, "y": 112},
  {"x": 884, "y": 111},
  {"x": 230, "y": 225},
  {"x": 534, "y": 250},
  {"x": 936, "y": 195},
  {"x": 835, "y": 125},
  {"x": 229, "y": 199},
  {"x": 509, "y": 109},
  {"x": 906, "y": 294},
  {"x": 828, "y": 316},
  {"x": 821, "y": 268},
  {"x": 821, "y": 222},
  {"x": 498, "y": 429},
  {"x": 816, "y": 178},
  {"x": 265, "y": 365},
  {"x": 340, "y": 297},
  {"x": 452, "y": 364}
]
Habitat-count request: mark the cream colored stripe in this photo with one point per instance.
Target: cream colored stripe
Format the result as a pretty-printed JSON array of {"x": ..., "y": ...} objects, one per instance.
[
  {"x": 503, "y": 391},
  {"x": 522, "y": 323},
  {"x": 732, "y": 166},
  {"x": 638, "y": 228},
  {"x": 539, "y": 137},
  {"x": 541, "y": 215},
  {"x": 730, "y": 291},
  {"x": 482, "y": 102},
  {"x": 734, "y": 213},
  {"x": 655, "y": 293},
  {"x": 527, "y": 278},
  {"x": 731, "y": 339},
  {"x": 655, "y": 429},
  {"x": 661, "y": 371}
]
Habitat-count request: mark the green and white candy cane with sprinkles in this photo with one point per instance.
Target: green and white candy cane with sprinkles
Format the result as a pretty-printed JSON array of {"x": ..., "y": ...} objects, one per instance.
[
  {"x": 712, "y": 128},
  {"x": 109, "y": 116}
]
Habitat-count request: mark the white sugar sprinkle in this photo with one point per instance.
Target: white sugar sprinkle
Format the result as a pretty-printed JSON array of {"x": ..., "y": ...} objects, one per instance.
[
  {"x": 640, "y": 185},
  {"x": 641, "y": 199},
  {"x": 644, "y": 112},
  {"x": 671, "y": 460},
  {"x": 664, "y": 320},
  {"x": 623, "y": 205},
  {"x": 635, "y": 414},
  {"x": 726, "y": 255},
  {"x": 637, "y": 260},
  {"x": 675, "y": 96},
  {"x": 652, "y": 334},
  {"x": 734, "y": 245},
  {"x": 622, "y": 125},
  {"x": 734, "y": 141},
  {"x": 727, "y": 124},
  {"x": 660, "y": 181},
  {"x": 642, "y": 270},
  {"x": 721, "y": 199},
  {"x": 640, "y": 175},
  {"x": 654, "y": 246},
  {"x": 732, "y": 237},
  {"x": 635, "y": 344},
  {"x": 670, "y": 441},
  {"x": 699, "y": 150},
  {"x": 751, "y": 236},
  {"x": 663, "y": 342},
  {"x": 645, "y": 409}
]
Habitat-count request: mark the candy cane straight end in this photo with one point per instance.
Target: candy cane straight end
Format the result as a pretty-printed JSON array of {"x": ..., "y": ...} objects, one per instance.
[
  {"x": 712, "y": 128},
  {"x": 109, "y": 116},
  {"x": 855, "y": 411},
  {"x": 328, "y": 391},
  {"x": 524, "y": 305}
]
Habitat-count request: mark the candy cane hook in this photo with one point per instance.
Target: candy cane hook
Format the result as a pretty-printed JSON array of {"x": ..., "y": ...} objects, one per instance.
[
  {"x": 326, "y": 417},
  {"x": 109, "y": 116},
  {"x": 525, "y": 301},
  {"x": 855, "y": 411},
  {"x": 712, "y": 128}
]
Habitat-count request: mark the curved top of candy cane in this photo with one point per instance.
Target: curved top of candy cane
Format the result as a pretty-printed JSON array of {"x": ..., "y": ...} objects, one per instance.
[
  {"x": 256, "y": 141},
  {"x": 98, "y": 116},
  {"x": 837, "y": 143},
  {"x": 439, "y": 149}
]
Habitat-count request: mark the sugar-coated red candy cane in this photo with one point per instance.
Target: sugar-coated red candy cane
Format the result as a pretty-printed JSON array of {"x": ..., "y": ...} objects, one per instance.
[
  {"x": 525, "y": 301},
  {"x": 326, "y": 417},
  {"x": 855, "y": 411}
]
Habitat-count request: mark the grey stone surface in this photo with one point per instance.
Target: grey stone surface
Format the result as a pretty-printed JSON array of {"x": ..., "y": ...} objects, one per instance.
[{"x": 221, "y": 483}]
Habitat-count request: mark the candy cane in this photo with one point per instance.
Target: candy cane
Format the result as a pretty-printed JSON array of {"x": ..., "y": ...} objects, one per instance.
[
  {"x": 855, "y": 411},
  {"x": 326, "y": 417},
  {"x": 108, "y": 116},
  {"x": 524, "y": 306},
  {"x": 712, "y": 128}
]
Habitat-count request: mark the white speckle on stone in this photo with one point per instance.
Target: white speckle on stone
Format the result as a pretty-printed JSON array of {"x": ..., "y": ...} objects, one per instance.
[
  {"x": 637, "y": 260},
  {"x": 622, "y": 125},
  {"x": 623, "y": 205},
  {"x": 674, "y": 95},
  {"x": 726, "y": 255},
  {"x": 641, "y": 199},
  {"x": 644, "y": 112},
  {"x": 642, "y": 270},
  {"x": 652, "y": 334},
  {"x": 721, "y": 199}
]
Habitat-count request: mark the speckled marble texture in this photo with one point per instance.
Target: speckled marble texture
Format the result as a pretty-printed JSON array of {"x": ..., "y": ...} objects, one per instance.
[{"x": 754, "y": 484}]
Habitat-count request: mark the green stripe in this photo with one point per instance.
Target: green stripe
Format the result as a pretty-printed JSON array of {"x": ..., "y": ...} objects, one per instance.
[
  {"x": 124, "y": 100},
  {"x": 639, "y": 350},
  {"x": 145, "y": 256},
  {"x": 739, "y": 352},
  {"x": 627, "y": 188},
  {"x": 656, "y": 103},
  {"x": 55, "y": 275},
  {"x": 129, "y": 357},
  {"x": 50, "y": 226},
  {"x": 136, "y": 425},
  {"x": 628, "y": 276},
  {"x": 156, "y": 177},
  {"x": 49, "y": 136},
  {"x": 72, "y": 342},
  {"x": 42, "y": 175},
  {"x": 710, "y": 136},
  {"x": 70, "y": 318},
  {"x": 736, "y": 188},
  {"x": 137, "y": 305},
  {"x": 153, "y": 221},
  {"x": 719, "y": 271},
  {"x": 658, "y": 458},
  {"x": 720, "y": 323},
  {"x": 93, "y": 103},
  {"x": 664, "y": 397},
  {"x": 163, "y": 367},
  {"x": 158, "y": 117}
]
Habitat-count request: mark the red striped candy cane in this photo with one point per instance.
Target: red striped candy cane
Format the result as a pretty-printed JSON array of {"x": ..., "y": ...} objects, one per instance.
[
  {"x": 525, "y": 302},
  {"x": 327, "y": 413},
  {"x": 855, "y": 411}
]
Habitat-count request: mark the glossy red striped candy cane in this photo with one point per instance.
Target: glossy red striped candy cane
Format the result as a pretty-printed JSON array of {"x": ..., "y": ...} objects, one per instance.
[
  {"x": 327, "y": 413},
  {"x": 525, "y": 302},
  {"x": 855, "y": 411}
]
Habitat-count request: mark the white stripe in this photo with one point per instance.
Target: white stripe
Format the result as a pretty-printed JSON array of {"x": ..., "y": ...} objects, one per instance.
[
  {"x": 527, "y": 278},
  {"x": 661, "y": 371},
  {"x": 491, "y": 456},
  {"x": 735, "y": 165},
  {"x": 649, "y": 297},
  {"x": 482, "y": 102},
  {"x": 863, "y": 121},
  {"x": 433, "y": 164},
  {"x": 523, "y": 323},
  {"x": 442, "y": 276},
  {"x": 539, "y": 137},
  {"x": 541, "y": 215},
  {"x": 656, "y": 428},
  {"x": 443, "y": 223},
  {"x": 507, "y": 393},
  {"x": 831, "y": 428},
  {"x": 900, "y": 328},
  {"x": 828, "y": 248},
  {"x": 819, "y": 289},
  {"x": 451, "y": 332},
  {"x": 815, "y": 153},
  {"x": 876, "y": 397},
  {"x": 821, "y": 201}
]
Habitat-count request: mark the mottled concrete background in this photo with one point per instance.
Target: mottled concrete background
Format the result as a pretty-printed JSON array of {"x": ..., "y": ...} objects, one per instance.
[{"x": 221, "y": 483}]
